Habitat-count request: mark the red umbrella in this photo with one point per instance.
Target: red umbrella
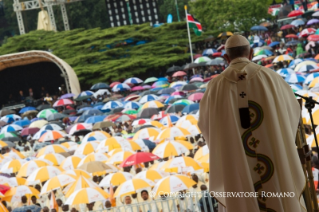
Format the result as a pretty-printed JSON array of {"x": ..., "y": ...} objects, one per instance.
[
  {"x": 4, "y": 189},
  {"x": 63, "y": 102},
  {"x": 196, "y": 96},
  {"x": 132, "y": 97},
  {"x": 207, "y": 79},
  {"x": 313, "y": 38},
  {"x": 179, "y": 74},
  {"x": 288, "y": 26},
  {"x": 306, "y": 32},
  {"x": 29, "y": 131},
  {"x": 138, "y": 158},
  {"x": 114, "y": 83},
  {"x": 217, "y": 54},
  {"x": 214, "y": 76},
  {"x": 292, "y": 36},
  {"x": 295, "y": 13},
  {"x": 197, "y": 56}
]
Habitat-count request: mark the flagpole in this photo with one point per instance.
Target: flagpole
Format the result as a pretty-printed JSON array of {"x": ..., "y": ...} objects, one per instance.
[{"x": 189, "y": 37}]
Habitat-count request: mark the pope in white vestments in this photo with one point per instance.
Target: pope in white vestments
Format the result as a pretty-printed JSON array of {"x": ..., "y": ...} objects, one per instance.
[{"x": 249, "y": 118}]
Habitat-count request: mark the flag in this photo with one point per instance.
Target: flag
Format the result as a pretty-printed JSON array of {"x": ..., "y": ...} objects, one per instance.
[
  {"x": 194, "y": 24},
  {"x": 53, "y": 203},
  {"x": 112, "y": 199}
]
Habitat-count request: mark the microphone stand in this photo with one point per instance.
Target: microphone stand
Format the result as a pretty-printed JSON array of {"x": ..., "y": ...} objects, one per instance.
[{"x": 310, "y": 104}]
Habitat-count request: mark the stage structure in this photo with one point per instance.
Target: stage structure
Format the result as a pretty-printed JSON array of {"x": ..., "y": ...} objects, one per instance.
[
  {"x": 29, "y": 57},
  {"x": 37, "y": 4},
  {"x": 126, "y": 12}
]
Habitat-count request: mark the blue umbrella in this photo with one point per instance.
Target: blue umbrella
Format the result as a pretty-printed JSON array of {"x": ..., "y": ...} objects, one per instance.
[
  {"x": 132, "y": 105},
  {"x": 151, "y": 145},
  {"x": 295, "y": 78},
  {"x": 112, "y": 105},
  {"x": 85, "y": 93},
  {"x": 84, "y": 109},
  {"x": 197, "y": 75},
  {"x": 292, "y": 43},
  {"x": 284, "y": 72},
  {"x": 295, "y": 62},
  {"x": 166, "y": 91},
  {"x": 100, "y": 85},
  {"x": 22, "y": 123},
  {"x": 297, "y": 22},
  {"x": 274, "y": 44},
  {"x": 258, "y": 28},
  {"x": 94, "y": 119},
  {"x": 162, "y": 79},
  {"x": 25, "y": 109},
  {"x": 208, "y": 52},
  {"x": 189, "y": 108},
  {"x": 92, "y": 112}
]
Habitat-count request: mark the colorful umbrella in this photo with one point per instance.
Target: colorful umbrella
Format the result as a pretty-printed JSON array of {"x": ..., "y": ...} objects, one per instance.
[
  {"x": 95, "y": 136},
  {"x": 133, "y": 186},
  {"x": 148, "y": 98},
  {"x": 55, "y": 158},
  {"x": 179, "y": 74},
  {"x": 11, "y": 128},
  {"x": 80, "y": 127},
  {"x": 295, "y": 78},
  {"x": 57, "y": 182},
  {"x": 170, "y": 148},
  {"x": 45, "y": 113},
  {"x": 133, "y": 80},
  {"x": 306, "y": 32},
  {"x": 43, "y": 174},
  {"x": 86, "y": 148},
  {"x": 86, "y": 196},
  {"x": 63, "y": 102},
  {"x": 10, "y": 118},
  {"x": 51, "y": 135},
  {"x": 70, "y": 163},
  {"x": 282, "y": 58},
  {"x": 202, "y": 59},
  {"x": 115, "y": 179},
  {"x": 196, "y": 97},
  {"x": 138, "y": 158},
  {"x": 112, "y": 105},
  {"x": 284, "y": 72},
  {"x": 121, "y": 87},
  {"x": 14, "y": 194},
  {"x": 12, "y": 166},
  {"x": 152, "y": 104},
  {"x": 154, "y": 175},
  {"x": 160, "y": 84}
]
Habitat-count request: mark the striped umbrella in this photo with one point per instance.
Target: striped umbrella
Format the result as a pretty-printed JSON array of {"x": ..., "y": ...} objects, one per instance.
[
  {"x": 173, "y": 184},
  {"x": 284, "y": 72},
  {"x": 121, "y": 87},
  {"x": 133, "y": 80},
  {"x": 310, "y": 78},
  {"x": 10, "y": 118},
  {"x": 314, "y": 82},
  {"x": 86, "y": 196},
  {"x": 95, "y": 136},
  {"x": 55, "y": 148},
  {"x": 46, "y": 112},
  {"x": 56, "y": 159},
  {"x": 51, "y": 135},
  {"x": 11, "y": 128},
  {"x": 160, "y": 84},
  {"x": 14, "y": 181},
  {"x": 152, "y": 104},
  {"x": 154, "y": 175},
  {"x": 133, "y": 186},
  {"x": 70, "y": 145},
  {"x": 94, "y": 119},
  {"x": 79, "y": 127},
  {"x": 117, "y": 142},
  {"x": 172, "y": 132},
  {"x": 79, "y": 184},
  {"x": 14, "y": 194},
  {"x": 146, "y": 133},
  {"x": 170, "y": 118},
  {"x": 78, "y": 173},
  {"x": 94, "y": 157},
  {"x": 201, "y": 152},
  {"x": 29, "y": 167},
  {"x": 132, "y": 105},
  {"x": 148, "y": 98},
  {"x": 170, "y": 148},
  {"x": 43, "y": 174},
  {"x": 119, "y": 157},
  {"x": 183, "y": 102},
  {"x": 86, "y": 148},
  {"x": 51, "y": 127},
  {"x": 307, "y": 68},
  {"x": 295, "y": 62},
  {"x": 295, "y": 87},
  {"x": 295, "y": 78},
  {"x": 14, "y": 154},
  {"x": 177, "y": 84},
  {"x": 181, "y": 164},
  {"x": 12, "y": 166},
  {"x": 71, "y": 162},
  {"x": 57, "y": 182},
  {"x": 85, "y": 93},
  {"x": 115, "y": 179},
  {"x": 282, "y": 58},
  {"x": 112, "y": 105},
  {"x": 63, "y": 102}
]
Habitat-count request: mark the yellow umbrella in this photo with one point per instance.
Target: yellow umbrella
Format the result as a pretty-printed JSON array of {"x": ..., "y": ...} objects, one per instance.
[
  {"x": 97, "y": 166},
  {"x": 114, "y": 151},
  {"x": 15, "y": 181},
  {"x": 57, "y": 182},
  {"x": 225, "y": 34},
  {"x": 204, "y": 159},
  {"x": 172, "y": 184},
  {"x": 190, "y": 118},
  {"x": 133, "y": 186},
  {"x": 87, "y": 195},
  {"x": 115, "y": 179},
  {"x": 94, "y": 157},
  {"x": 56, "y": 159},
  {"x": 315, "y": 115},
  {"x": 156, "y": 124},
  {"x": 29, "y": 167},
  {"x": 15, "y": 194},
  {"x": 14, "y": 154},
  {"x": 152, "y": 104},
  {"x": 43, "y": 174},
  {"x": 157, "y": 166},
  {"x": 117, "y": 142},
  {"x": 39, "y": 124},
  {"x": 55, "y": 148},
  {"x": 170, "y": 148},
  {"x": 119, "y": 157},
  {"x": 3, "y": 144},
  {"x": 146, "y": 133},
  {"x": 181, "y": 164},
  {"x": 71, "y": 162},
  {"x": 77, "y": 173},
  {"x": 172, "y": 132},
  {"x": 12, "y": 166},
  {"x": 201, "y": 152},
  {"x": 206, "y": 167},
  {"x": 70, "y": 145},
  {"x": 95, "y": 136},
  {"x": 86, "y": 148},
  {"x": 154, "y": 175},
  {"x": 314, "y": 82},
  {"x": 80, "y": 183}
]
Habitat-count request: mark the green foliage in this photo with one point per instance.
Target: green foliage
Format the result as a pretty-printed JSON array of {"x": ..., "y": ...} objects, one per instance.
[
  {"x": 230, "y": 15},
  {"x": 100, "y": 55},
  {"x": 169, "y": 7}
]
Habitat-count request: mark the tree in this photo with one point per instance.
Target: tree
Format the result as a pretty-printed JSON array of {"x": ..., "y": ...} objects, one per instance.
[
  {"x": 230, "y": 15},
  {"x": 168, "y": 7}
]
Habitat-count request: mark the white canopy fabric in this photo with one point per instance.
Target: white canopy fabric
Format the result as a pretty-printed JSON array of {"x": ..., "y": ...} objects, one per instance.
[{"x": 29, "y": 57}]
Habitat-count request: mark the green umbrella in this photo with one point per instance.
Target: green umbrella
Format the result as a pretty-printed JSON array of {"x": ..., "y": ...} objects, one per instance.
[
  {"x": 130, "y": 112},
  {"x": 7, "y": 135},
  {"x": 45, "y": 113},
  {"x": 151, "y": 79}
]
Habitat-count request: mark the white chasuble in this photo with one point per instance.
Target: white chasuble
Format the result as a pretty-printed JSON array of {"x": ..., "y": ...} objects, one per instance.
[{"x": 249, "y": 118}]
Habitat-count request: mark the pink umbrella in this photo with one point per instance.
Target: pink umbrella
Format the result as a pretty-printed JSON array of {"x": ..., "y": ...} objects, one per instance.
[
  {"x": 197, "y": 79},
  {"x": 179, "y": 74},
  {"x": 196, "y": 97},
  {"x": 137, "y": 88},
  {"x": 178, "y": 93},
  {"x": 29, "y": 131}
]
